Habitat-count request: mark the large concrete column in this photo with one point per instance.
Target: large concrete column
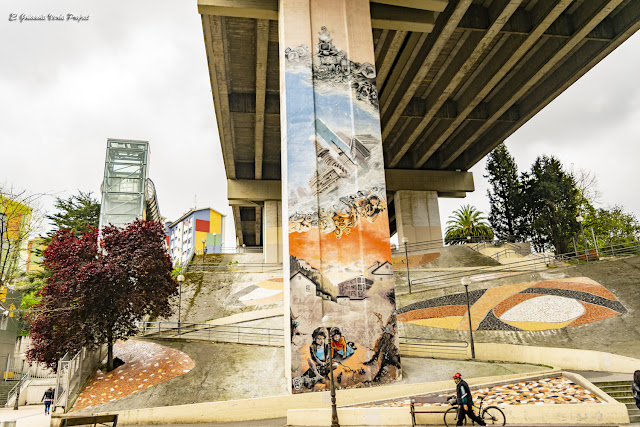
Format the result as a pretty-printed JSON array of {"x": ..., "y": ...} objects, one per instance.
[
  {"x": 417, "y": 216},
  {"x": 335, "y": 219},
  {"x": 272, "y": 245}
]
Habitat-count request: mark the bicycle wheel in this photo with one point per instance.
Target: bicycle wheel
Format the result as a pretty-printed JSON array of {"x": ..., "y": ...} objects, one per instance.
[
  {"x": 451, "y": 417},
  {"x": 492, "y": 415}
]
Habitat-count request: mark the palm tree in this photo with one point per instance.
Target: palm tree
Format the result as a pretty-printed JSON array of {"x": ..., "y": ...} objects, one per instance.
[{"x": 467, "y": 225}]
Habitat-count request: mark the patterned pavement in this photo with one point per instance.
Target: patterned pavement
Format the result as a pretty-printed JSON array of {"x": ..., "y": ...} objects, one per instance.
[
  {"x": 146, "y": 364},
  {"x": 546, "y": 391},
  {"x": 539, "y": 306}
]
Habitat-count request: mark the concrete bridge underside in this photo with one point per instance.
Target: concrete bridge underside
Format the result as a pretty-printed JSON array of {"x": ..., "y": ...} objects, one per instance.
[{"x": 455, "y": 79}]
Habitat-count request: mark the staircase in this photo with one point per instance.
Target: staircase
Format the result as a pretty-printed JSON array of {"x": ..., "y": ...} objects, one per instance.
[
  {"x": 5, "y": 388},
  {"x": 621, "y": 391}
]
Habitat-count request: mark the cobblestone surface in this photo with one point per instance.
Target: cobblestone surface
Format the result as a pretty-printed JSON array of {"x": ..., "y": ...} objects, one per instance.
[
  {"x": 547, "y": 391},
  {"x": 146, "y": 364}
]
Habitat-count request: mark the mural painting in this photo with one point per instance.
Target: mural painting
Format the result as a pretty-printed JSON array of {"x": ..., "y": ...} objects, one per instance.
[
  {"x": 549, "y": 304},
  {"x": 338, "y": 234}
]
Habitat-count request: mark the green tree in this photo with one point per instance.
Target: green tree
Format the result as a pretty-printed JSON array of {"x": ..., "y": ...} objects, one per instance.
[
  {"x": 613, "y": 225},
  {"x": 551, "y": 205},
  {"x": 505, "y": 195},
  {"x": 78, "y": 213},
  {"x": 467, "y": 222}
]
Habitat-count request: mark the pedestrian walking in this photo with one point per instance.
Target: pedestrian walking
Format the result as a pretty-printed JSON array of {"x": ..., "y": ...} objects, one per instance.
[
  {"x": 47, "y": 398},
  {"x": 465, "y": 401}
]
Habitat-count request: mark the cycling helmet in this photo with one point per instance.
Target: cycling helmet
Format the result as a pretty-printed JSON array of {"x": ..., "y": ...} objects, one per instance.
[{"x": 457, "y": 376}]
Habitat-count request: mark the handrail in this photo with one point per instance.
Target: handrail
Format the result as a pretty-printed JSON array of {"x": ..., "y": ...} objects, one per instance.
[
  {"x": 24, "y": 378},
  {"x": 274, "y": 337},
  {"x": 194, "y": 265},
  {"x": 453, "y": 278}
]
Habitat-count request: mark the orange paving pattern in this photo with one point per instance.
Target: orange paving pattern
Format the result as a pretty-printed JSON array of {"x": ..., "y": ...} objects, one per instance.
[{"x": 146, "y": 364}]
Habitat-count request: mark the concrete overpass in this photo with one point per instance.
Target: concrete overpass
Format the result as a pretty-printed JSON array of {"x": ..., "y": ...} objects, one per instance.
[{"x": 455, "y": 79}]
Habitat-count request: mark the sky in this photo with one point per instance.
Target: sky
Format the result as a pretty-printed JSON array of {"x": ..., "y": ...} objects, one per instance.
[{"x": 138, "y": 70}]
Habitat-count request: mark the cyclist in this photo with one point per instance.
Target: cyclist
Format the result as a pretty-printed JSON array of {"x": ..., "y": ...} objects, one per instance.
[{"x": 465, "y": 401}]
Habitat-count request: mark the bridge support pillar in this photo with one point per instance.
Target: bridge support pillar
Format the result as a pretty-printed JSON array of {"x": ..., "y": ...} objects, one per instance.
[
  {"x": 272, "y": 245},
  {"x": 417, "y": 216},
  {"x": 337, "y": 255}
]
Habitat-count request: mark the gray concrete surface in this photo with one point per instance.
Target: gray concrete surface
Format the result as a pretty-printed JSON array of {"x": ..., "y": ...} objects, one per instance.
[
  {"x": 236, "y": 371},
  {"x": 26, "y": 416}
]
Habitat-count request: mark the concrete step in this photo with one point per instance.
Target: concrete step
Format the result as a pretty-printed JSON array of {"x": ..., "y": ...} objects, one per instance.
[
  {"x": 612, "y": 383},
  {"x": 5, "y": 388},
  {"x": 612, "y": 388},
  {"x": 617, "y": 394}
]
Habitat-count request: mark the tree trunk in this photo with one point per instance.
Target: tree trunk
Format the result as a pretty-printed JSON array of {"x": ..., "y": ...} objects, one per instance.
[{"x": 110, "y": 351}]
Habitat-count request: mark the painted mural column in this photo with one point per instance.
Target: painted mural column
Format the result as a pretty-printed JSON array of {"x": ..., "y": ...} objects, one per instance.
[{"x": 335, "y": 217}]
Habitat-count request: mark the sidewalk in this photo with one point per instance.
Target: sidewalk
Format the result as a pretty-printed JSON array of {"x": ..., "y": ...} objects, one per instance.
[{"x": 26, "y": 416}]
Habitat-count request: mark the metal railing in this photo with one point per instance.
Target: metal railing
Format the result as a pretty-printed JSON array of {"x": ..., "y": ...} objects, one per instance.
[
  {"x": 231, "y": 250},
  {"x": 24, "y": 381},
  {"x": 207, "y": 332},
  {"x": 274, "y": 337},
  {"x": 428, "y": 347},
  {"x": 232, "y": 266},
  {"x": 532, "y": 264},
  {"x": 73, "y": 373},
  {"x": 14, "y": 365}
]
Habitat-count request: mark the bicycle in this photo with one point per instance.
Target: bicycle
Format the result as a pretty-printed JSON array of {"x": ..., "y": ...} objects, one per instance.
[{"x": 492, "y": 415}]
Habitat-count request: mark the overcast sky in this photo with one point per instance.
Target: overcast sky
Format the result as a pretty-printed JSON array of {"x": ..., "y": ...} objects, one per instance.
[{"x": 138, "y": 70}]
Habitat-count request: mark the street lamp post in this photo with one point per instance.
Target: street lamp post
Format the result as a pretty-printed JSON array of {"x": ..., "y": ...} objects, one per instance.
[
  {"x": 406, "y": 258},
  {"x": 464, "y": 281},
  {"x": 180, "y": 280},
  {"x": 15, "y": 405},
  {"x": 579, "y": 218},
  {"x": 204, "y": 250},
  {"x": 327, "y": 322}
]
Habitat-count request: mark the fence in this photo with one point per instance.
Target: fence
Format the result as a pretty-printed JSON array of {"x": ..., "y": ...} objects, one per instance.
[
  {"x": 427, "y": 347},
  {"x": 24, "y": 381},
  {"x": 274, "y": 337},
  {"x": 73, "y": 373},
  {"x": 230, "y": 250},
  {"x": 235, "y": 266},
  {"x": 207, "y": 332},
  {"x": 14, "y": 366}
]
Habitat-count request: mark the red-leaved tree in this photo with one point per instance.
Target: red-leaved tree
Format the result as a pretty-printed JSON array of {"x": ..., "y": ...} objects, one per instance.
[{"x": 98, "y": 291}]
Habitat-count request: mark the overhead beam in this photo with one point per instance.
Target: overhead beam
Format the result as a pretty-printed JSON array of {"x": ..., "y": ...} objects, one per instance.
[
  {"x": 256, "y": 9},
  {"x": 586, "y": 21},
  {"x": 254, "y": 191},
  {"x": 246, "y": 189},
  {"x": 245, "y": 103},
  {"x": 428, "y": 180},
  {"x": 415, "y": 15},
  {"x": 388, "y": 57},
  {"x": 426, "y": 56},
  {"x": 400, "y": 18},
  {"x": 214, "y": 43},
  {"x": 455, "y": 73},
  {"x": 493, "y": 73},
  {"x": 627, "y": 21},
  {"x": 434, "y": 5},
  {"x": 477, "y": 19},
  {"x": 262, "y": 48}
]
